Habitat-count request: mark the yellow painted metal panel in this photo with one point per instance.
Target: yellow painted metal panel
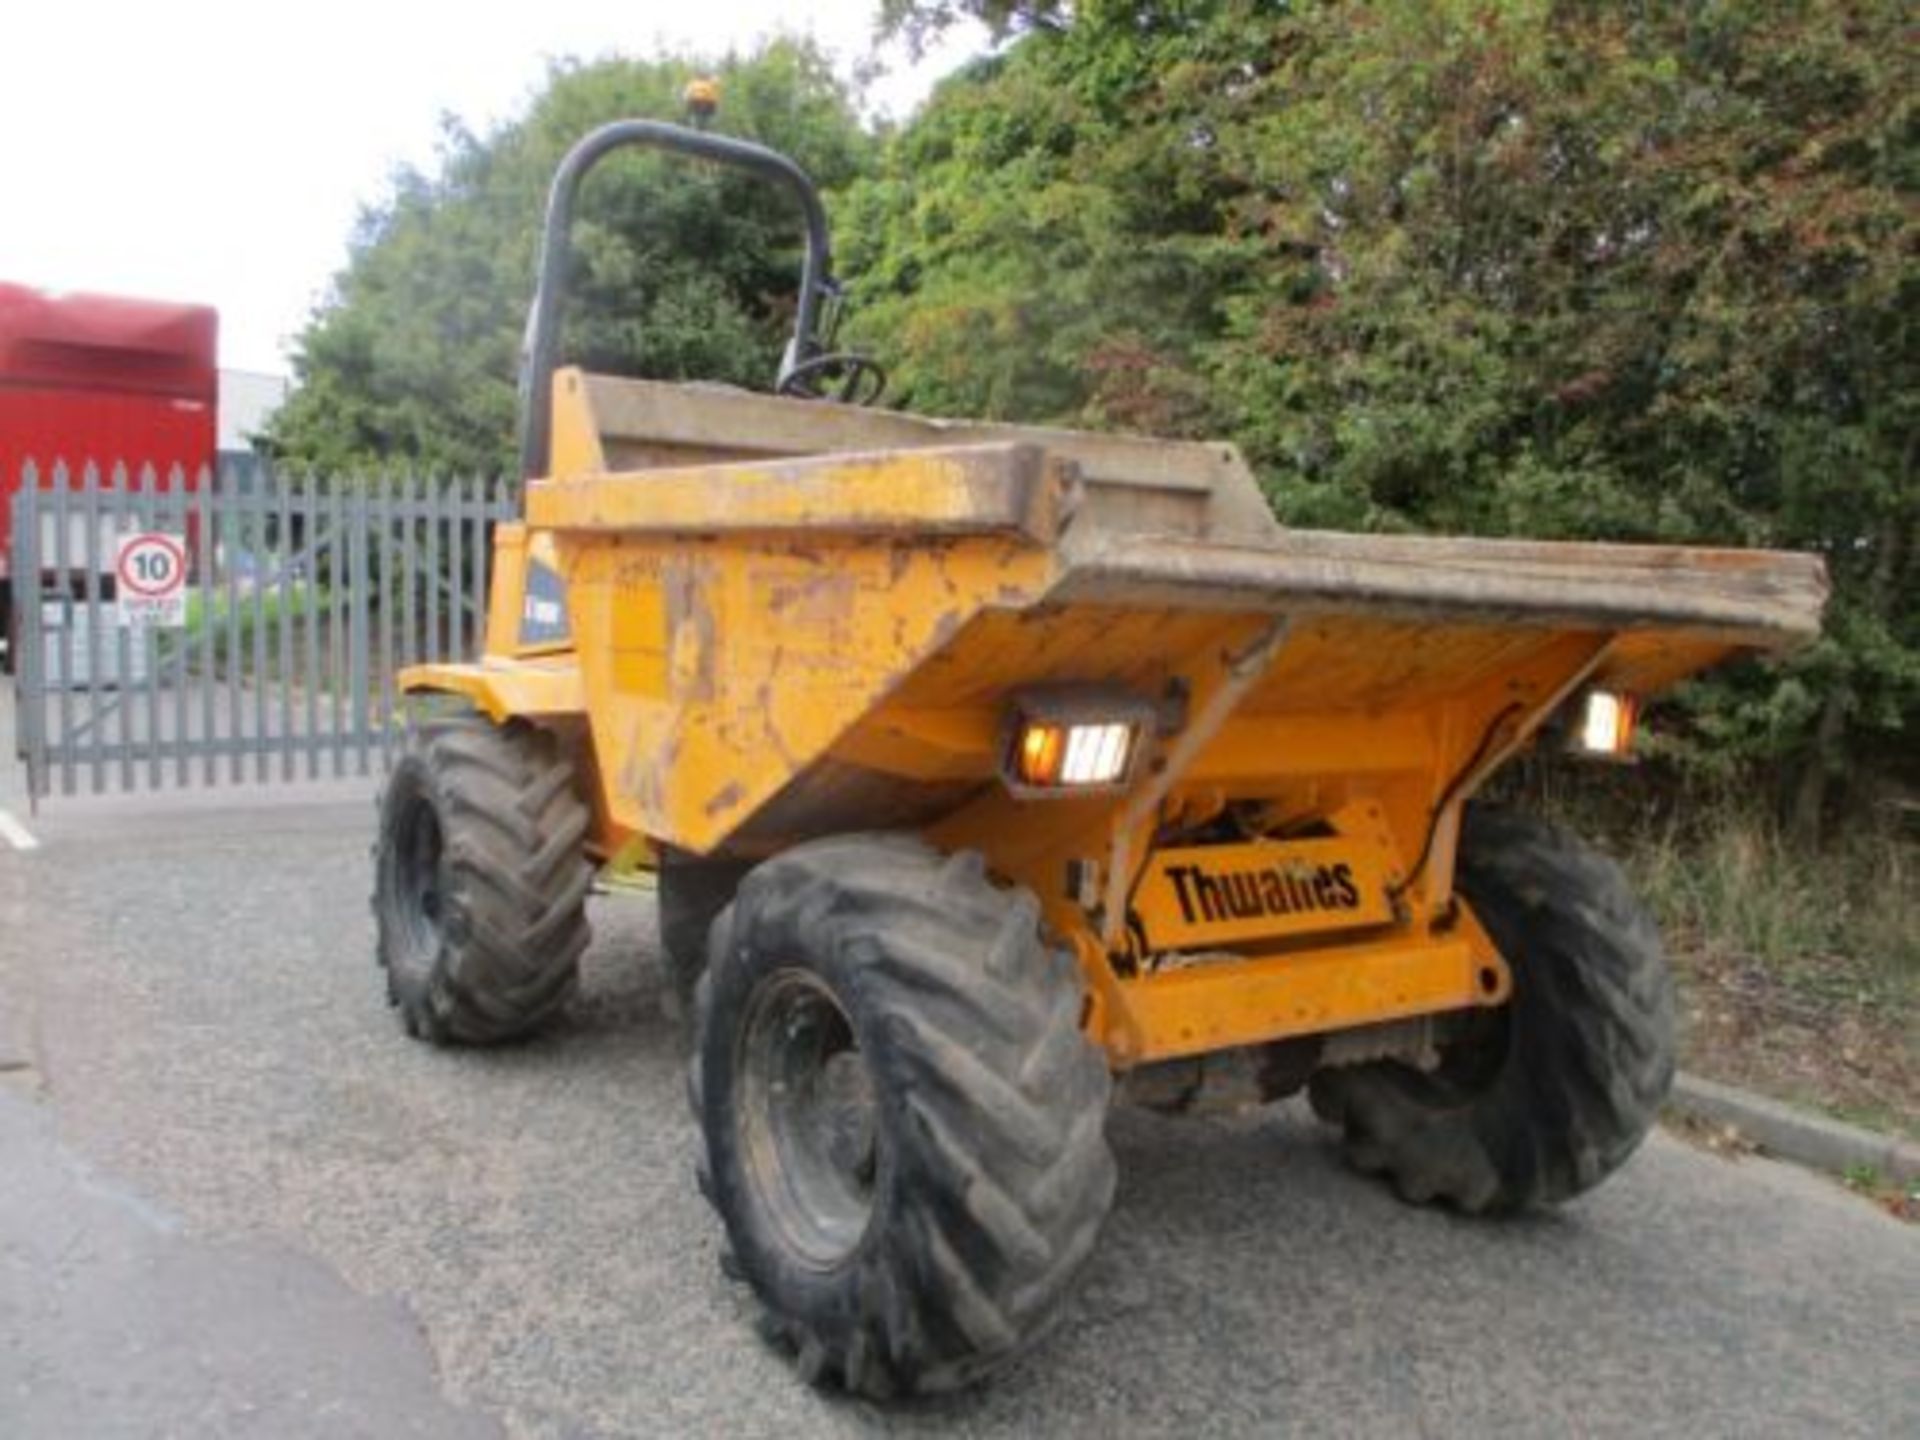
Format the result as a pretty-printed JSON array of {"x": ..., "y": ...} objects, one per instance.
[
  {"x": 508, "y": 590},
  {"x": 505, "y": 688},
  {"x": 927, "y": 494},
  {"x": 721, "y": 672},
  {"x": 1231, "y": 1001},
  {"x": 575, "y": 447}
]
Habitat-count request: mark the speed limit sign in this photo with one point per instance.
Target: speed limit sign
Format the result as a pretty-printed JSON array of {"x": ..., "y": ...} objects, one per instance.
[{"x": 151, "y": 572}]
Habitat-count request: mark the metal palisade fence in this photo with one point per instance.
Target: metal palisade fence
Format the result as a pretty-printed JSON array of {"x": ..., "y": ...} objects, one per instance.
[{"x": 231, "y": 626}]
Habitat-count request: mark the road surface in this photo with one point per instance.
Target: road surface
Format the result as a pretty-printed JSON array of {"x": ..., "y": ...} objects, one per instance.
[{"x": 235, "y": 1201}]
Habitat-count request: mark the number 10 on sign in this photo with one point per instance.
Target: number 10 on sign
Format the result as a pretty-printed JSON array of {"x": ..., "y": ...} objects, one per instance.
[{"x": 150, "y": 574}]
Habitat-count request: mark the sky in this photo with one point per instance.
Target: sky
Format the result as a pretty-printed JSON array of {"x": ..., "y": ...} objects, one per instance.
[{"x": 219, "y": 152}]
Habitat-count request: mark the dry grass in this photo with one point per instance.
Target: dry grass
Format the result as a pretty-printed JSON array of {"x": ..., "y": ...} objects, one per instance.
[
  {"x": 1841, "y": 922},
  {"x": 1799, "y": 967}
]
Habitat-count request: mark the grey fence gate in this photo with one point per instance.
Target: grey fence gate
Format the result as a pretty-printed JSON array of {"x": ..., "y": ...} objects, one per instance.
[{"x": 269, "y": 656}]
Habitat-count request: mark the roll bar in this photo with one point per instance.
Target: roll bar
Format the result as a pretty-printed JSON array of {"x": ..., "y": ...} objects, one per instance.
[{"x": 543, "y": 324}]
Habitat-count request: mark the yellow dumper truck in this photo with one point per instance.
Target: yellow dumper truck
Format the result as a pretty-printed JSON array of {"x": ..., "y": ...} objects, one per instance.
[{"x": 985, "y": 769}]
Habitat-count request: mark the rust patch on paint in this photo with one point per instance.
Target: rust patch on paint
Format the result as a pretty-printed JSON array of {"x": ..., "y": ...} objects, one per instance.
[
  {"x": 770, "y": 728},
  {"x": 644, "y": 777},
  {"x": 822, "y": 596},
  {"x": 692, "y": 639}
]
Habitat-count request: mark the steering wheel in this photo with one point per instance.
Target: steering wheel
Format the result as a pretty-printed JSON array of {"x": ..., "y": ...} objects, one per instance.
[{"x": 862, "y": 381}]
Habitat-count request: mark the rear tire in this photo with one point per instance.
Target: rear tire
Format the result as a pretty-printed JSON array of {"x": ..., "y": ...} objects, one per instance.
[
  {"x": 1557, "y": 1088},
  {"x": 903, "y": 1126},
  {"x": 480, "y": 880}
]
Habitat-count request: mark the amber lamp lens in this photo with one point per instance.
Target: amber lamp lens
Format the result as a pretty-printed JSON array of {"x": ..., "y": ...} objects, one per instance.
[{"x": 1041, "y": 747}]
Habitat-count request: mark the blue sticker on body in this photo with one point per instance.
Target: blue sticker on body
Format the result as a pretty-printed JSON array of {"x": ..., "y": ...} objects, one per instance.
[{"x": 543, "y": 610}]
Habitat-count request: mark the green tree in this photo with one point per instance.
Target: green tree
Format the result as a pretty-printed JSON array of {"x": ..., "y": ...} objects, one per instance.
[
  {"x": 681, "y": 269},
  {"x": 1509, "y": 266},
  {"x": 915, "y": 20}
]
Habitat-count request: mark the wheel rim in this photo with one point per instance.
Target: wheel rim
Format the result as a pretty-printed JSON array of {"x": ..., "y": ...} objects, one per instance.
[
  {"x": 809, "y": 1118},
  {"x": 418, "y": 887}
]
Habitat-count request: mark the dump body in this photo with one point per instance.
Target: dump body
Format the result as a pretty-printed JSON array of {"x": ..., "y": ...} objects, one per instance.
[{"x": 770, "y": 620}]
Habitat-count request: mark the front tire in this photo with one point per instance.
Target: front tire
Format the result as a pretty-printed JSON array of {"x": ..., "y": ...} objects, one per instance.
[
  {"x": 1550, "y": 1094},
  {"x": 903, "y": 1127},
  {"x": 480, "y": 880}
]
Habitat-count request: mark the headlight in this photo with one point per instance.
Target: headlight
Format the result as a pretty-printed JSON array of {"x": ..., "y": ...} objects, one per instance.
[
  {"x": 1074, "y": 754},
  {"x": 1605, "y": 724},
  {"x": 1073, "y": 740}
]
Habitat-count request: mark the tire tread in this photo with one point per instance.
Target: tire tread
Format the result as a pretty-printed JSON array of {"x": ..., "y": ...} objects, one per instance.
[
  {"x": 1003, "y": 1175},
  {"x": 1590, "y": 1037},
  {"x": 515, "y": 926}
]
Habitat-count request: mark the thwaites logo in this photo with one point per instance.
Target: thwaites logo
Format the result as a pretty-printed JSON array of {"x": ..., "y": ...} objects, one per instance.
[{"x": 1210, "y": 897}]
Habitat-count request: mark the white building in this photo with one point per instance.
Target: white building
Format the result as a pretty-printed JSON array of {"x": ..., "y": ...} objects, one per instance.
[{"x": 247, "y": 402}]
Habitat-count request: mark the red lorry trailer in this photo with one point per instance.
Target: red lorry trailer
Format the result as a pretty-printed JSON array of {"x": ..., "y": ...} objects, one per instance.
[{"x": 102, "y": 379}]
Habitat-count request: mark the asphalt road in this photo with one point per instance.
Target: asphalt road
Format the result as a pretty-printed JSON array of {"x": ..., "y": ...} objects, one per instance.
[{"x": 235, "y": 1201}]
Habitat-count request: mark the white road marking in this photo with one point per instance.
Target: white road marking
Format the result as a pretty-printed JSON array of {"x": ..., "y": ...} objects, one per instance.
[{"x": 17, "y": 834}]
